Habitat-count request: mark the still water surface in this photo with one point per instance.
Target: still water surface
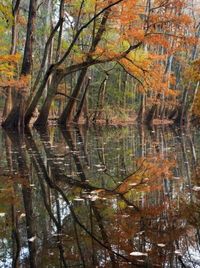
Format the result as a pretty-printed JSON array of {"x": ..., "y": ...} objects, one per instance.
[{"x": 100, "y": 197}]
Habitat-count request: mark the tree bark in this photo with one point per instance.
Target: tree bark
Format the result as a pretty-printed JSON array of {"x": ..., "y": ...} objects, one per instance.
[
  {"x": 15, "y": 119},
  {"x": 151, "y": 115},
  {"x": 67, "y": 114},
  {"x": 141, "y": 114},
  {"x": 100, "y": 100},
  {"x": 43, "y": 116},
  {"x": 15, "y": 12},
  {"x": 81, "y": 105}
]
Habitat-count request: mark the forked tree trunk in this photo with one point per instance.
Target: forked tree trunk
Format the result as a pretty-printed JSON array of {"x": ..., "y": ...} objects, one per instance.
[
  {"x": 44, "y": 113},
  {"x": 67, "y": 114}
]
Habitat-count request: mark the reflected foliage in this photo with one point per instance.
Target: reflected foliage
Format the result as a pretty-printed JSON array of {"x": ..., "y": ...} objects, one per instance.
[{"x": 100, "y": 197}]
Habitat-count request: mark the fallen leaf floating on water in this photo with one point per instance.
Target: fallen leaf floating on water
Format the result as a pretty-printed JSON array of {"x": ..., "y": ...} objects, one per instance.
[
  {"x": 101, "y": 169},
  {"x": 196, "y": 188},
  {"x": 79, "y": 199},
  {"x": 58, "y": 234},
  {"x": 176, "y": 178},
  {"x": 125, "y": 216},
  {"x": 178, "y": 252},
  {"x": 98, "y": 165},
  {"x": 97, "y": 191},
  {"x": 32, "y": 239},
  {"x": 161, "y": 245},
  {"x": 94, "y": 198},
  {"x": 138, "y": 254},
  {"x": 22, "y": 215}
]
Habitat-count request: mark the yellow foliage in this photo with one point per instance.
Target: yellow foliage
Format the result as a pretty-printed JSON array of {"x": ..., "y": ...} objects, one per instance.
[
  {"x": 8, "y": 70},
  {"x": 6, "y": 12},
  {"x": 10, "y": 58}
]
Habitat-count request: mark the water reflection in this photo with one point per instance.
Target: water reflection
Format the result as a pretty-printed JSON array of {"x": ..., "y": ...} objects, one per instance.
[{"x": 100, "y": 197}]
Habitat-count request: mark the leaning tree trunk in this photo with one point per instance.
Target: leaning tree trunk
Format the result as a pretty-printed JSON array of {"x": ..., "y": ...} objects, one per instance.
[
  {"x": 44, "y": 113},
  {"x": 100, "y": 100},
  {"x": 67, "y": 114},
  {"x": 81, "y": 105},
  {"x": 15, "y": 119}
]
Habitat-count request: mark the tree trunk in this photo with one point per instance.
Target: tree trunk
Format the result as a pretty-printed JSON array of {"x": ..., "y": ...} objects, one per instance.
[
  {"x": 18, "y": 145},
  {"x": 141, "y": 114},
  {"x": 61, "y": 15},
  {"x": 151, "y": 115},
  {"x": 67, "y": 114},
  {"x": 44, "y": 113},
  {"x": 182, "y": 113},
  {"x": 81, "y": 105},
  {"x": 193, "y": 101},
  {"x": 15, "y": 119},
  {"x": 100, "y": 99},
  {"x": 31, "y": 108},
  {"x": 8, "y": 102}
]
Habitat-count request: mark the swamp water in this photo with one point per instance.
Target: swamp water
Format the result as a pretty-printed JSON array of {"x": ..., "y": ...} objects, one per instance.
[{"x": 100, "y": 197}]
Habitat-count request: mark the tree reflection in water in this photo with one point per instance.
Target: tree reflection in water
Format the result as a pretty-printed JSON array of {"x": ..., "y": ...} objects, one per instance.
[{"x": 100, "y": 197}]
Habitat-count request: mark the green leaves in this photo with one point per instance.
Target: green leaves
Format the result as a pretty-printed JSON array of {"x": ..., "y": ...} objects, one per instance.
[{"x": 6, "y": 16}]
